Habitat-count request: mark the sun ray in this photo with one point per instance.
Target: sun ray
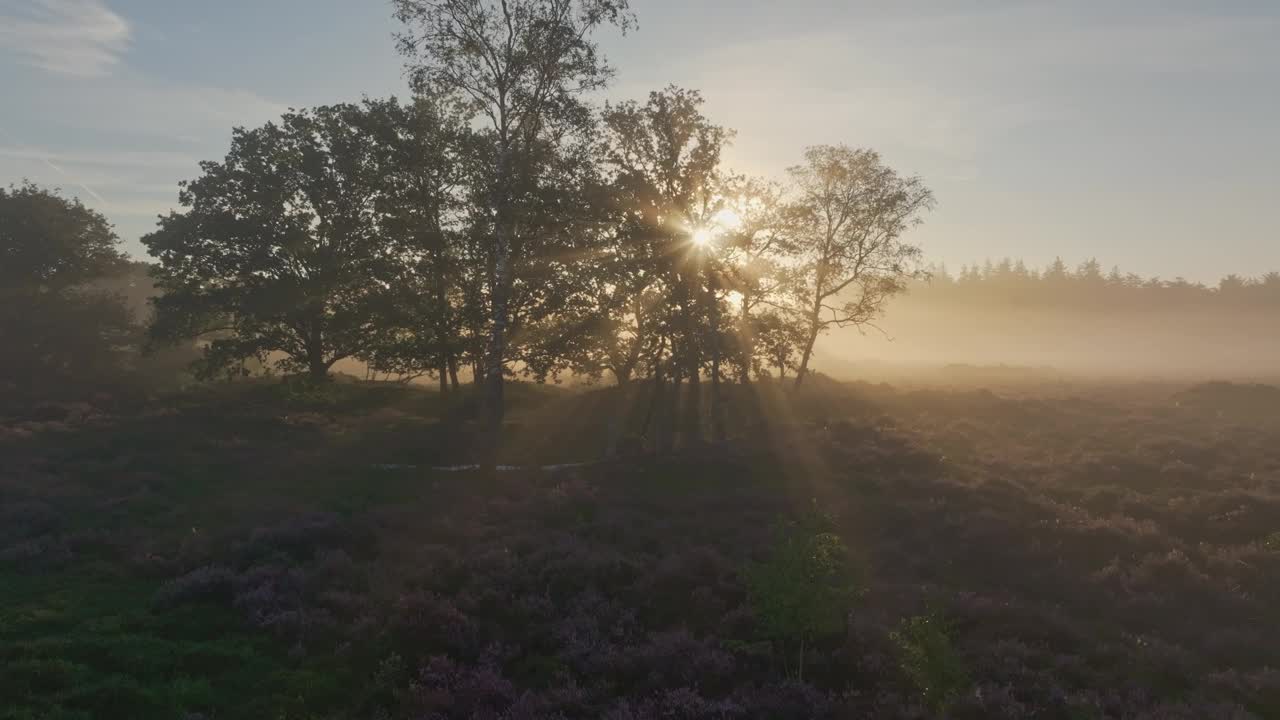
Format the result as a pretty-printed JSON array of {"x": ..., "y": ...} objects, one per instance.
[{"x": 728, "y": 219}]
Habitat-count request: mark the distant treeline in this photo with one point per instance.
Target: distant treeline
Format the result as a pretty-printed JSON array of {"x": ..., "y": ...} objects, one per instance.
[
  {"x": 1081, "y": 320},
  {"x": 1089, "y": 284}
]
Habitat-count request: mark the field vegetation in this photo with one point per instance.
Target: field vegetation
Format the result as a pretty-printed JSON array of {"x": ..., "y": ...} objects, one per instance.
[{"x": 278, "y": 549}]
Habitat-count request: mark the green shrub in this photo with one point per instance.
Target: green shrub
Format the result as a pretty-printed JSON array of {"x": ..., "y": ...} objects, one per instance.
[
  {"x": 305, "y": 392},
  {"x": 927, "y": 656},
  {"x": 804, "y": 590}
]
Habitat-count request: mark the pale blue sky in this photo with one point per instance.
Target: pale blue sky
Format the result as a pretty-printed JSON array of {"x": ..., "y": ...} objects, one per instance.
[{"x": 1144, "y": 133}]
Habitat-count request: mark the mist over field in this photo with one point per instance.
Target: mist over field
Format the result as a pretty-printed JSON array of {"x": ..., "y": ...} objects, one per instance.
[
  {"x": 924, "y": 336},
  {"x": 1006, "y": 319},
  {"x": 458, "y": 360}
]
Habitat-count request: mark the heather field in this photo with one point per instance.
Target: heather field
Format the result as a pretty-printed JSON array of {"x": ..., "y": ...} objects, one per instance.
[{"x": 277, "y": 550}]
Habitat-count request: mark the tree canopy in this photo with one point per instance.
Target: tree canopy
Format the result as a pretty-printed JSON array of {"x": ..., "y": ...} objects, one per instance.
[
  {"x": 524, "y": 65},
  {"x": 51, "y": 242},
  {"x": 849, "y": 218},
  {"x": 500, "y": 224},
  {"x": 284, "y": 247},
  {"x": 56, "y": 329},
  {"x": 368, "y": 231}
]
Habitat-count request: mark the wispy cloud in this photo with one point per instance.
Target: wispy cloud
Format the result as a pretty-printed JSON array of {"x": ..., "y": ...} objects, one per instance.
[
  {"x": 82, "y": 38},
  {"x": 25, "y": 152},
  {"x": 139, "y": 109},
  {"x": 145, "y": 159},
  {"x": 940, "y": 91},
  {"x": 128, "y": 140}
]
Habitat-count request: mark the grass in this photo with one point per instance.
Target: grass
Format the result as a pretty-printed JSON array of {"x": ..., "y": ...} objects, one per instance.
[{"x": 80, "y": 645}]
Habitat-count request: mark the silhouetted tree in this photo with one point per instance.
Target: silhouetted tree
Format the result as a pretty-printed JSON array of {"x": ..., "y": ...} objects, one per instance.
[
  {"x": 567, "y": 221},
  {"x": 1057, "y": 272},
  {"x": 664, "y": 156},
  {"x": 50, "y": 242},
  {"x": 523, "y": 65},
  {"x": 1232, "y": 285},
  {"x": 1090, "y": 271},
  {"x": 422, "y": 152},
  {"x": 281, "y": 248},
  {"x": 756, "y": 243},
  {"x": 778, "y": 342},
  {"x": 848, "y": 222},
  {"x": 55, "y": 327}
]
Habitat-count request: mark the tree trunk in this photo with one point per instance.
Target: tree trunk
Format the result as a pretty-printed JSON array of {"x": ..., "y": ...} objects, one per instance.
[
  {"x": 318, "y": 371},
  {"x": 627, "y": 368},
  {"x": 800, "y": 675},
  {"x": 808, "y": 353},
  {"x": 622, "y": 407},
  {"x": 691, "y": 408},
  {"x": 717, "y": 403},
  {"x": 686, "y": 402},
  {"x": 618, "y": 420},
  {"x": 453, "y": 371},
  {"x": 692, "y": 430},
  {"x": 649, "y": 428},
  {"x": 815, "y": 324},
  {"x": 746, "y": 342},
  {"x": 717, "y": 407},
  {"x": 669, "y": 411},
  {"x": 441, "y": 311},
  {"x": 621, "y": 375},
  {"x": 496, "y": 353},
  {"x": 317, "y": 368}
]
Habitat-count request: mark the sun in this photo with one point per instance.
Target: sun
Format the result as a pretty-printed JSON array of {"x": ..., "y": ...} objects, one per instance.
[
  {"x": 728, "y": 219},
  {"x": 702, "y": 237}
]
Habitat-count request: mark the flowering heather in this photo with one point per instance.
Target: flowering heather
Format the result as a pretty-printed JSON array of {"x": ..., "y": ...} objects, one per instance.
[{"x": 1086, "y": 558}]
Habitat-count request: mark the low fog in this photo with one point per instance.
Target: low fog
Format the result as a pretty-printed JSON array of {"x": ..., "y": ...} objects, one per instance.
[{"x": 1200, "y": 333}]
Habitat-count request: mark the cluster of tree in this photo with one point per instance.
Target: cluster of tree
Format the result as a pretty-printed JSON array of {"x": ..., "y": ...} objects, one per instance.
[
  {"x": 73, "y": 308},
  {"x": 500, "y": 223},
  {"x": 57, "y": 329},
  {"x": 1089, "y": 285}
]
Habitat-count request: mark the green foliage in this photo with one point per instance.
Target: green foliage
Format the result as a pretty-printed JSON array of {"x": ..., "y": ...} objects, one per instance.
[
  {"x": 281, "y": 248},
  {"x": 424, "y": 149},
  {"x": 72, "y": 646},
  {"x": 305, "y": 392},
  {"x": 776, "y": 344},
  {"x": 50, "y": 242},
  {"x": 57, "y": 333},
  {"x": 803, "y": 591},
  {"x": 64, "y": 338},
  {"x": 852, "y": 266},
  {"x": 664, "y": 157},
  {"x": 927, "y": 655}
]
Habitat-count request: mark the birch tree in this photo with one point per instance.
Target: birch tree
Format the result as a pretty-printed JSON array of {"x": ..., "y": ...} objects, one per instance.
[
  {"x": 523, "y": 66},
  {"x": 848, "y": 221}
]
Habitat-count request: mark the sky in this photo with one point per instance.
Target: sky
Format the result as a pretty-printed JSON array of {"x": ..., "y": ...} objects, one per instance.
[{"x": 1144, "y": 133}]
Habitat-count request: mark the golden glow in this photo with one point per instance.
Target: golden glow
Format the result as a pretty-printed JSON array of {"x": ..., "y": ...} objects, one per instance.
[
  {"x": 728, "y": 219},
  {"x": 702, "y": 237}
]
